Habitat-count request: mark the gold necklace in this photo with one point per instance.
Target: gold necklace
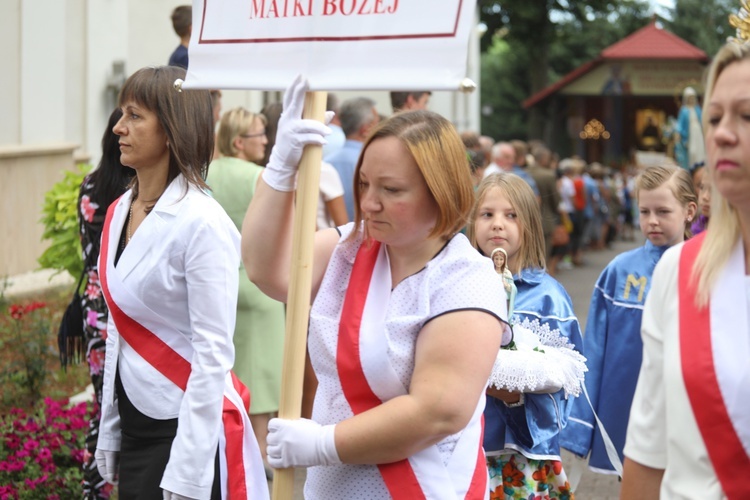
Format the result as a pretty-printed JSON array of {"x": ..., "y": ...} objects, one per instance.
[{"x": 130, "y": 224}]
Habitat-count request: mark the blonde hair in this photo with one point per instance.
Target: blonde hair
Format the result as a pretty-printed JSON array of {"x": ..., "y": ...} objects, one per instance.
[
  {"x": 235, "y": 122},
  {"x": 724, "y": 230},
  {"x": 441, "y": 158},
  {"x": 677, "y": 179},
  {"x": 531, "y": 252}
]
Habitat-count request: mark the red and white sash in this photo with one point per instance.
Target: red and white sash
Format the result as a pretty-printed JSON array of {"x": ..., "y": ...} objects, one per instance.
[
  {"x": 367, "y": 379},
  {"x": 715, "y": 355},
  {"x": 242, "y": 473}
]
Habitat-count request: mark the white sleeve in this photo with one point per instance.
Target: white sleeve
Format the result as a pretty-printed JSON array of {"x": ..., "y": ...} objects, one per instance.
[
  {"x": 330, "y": 182},
  {"x": 211, "y": 267},
  {"x": 646, "y": 441},
  {"x": 109, "y": 438}
]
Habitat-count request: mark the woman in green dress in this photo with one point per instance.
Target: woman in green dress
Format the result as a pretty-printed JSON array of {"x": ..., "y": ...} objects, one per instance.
[{"x": 259, "y": 334}]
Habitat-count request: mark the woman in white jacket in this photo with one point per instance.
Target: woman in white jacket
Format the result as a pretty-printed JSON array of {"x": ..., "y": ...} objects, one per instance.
[
  {"x": 689, "y": 433},
  {"x": 174, "y": 419}
]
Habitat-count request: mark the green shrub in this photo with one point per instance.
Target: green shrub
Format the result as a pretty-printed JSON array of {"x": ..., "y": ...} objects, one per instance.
[
  {"x": 60, "y": 219},
  {"x": 26, "y": 331}
]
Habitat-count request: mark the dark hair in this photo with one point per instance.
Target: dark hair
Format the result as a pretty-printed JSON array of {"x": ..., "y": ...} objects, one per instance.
[
  {"x": 398, "y": 99},
  {"x": 110, "y": 178},
  {"x": 186, "y": 117},
  {"x": 476, "y": 159},
  {"x": 471, "y": 140},
  {"x": 182, "y": 20},
  {"x": 272, "y": 112}
]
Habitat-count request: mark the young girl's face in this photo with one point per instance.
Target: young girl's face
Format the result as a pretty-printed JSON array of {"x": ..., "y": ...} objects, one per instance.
[
  {"x": 704, "y": 196},
  {"x": 496, "y": 225},
  {"x": 663, "y": 216}
]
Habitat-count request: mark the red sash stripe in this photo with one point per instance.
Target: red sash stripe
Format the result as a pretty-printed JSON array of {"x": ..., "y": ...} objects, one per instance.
[
  {"x": 399, "y": 477},
  {"x": 479, "y": 486},
  {"x": 724, "y": 447},
  {"x": 150, "y": 347},
  {"x": 177, "y": 369},
  {"x": 242, "y": 390}
]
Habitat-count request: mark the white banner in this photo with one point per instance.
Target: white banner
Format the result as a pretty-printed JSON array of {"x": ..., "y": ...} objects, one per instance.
[{"x": 336, "y": 44}]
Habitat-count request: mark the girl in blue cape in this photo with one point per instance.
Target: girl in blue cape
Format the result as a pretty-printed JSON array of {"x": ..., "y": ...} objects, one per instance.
[
  {"x": 613, "y": 346},
  {"x": 527, "y": 402}
]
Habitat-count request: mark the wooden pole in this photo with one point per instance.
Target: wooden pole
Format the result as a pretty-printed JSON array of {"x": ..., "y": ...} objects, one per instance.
[{"x": 300, "y": 286}]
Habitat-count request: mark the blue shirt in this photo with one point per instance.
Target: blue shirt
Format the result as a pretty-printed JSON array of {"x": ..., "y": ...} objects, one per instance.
[
  {"x": 345, "y": 161},
  {"x": 613, "y": 350},
  {"x": 592, "y": 197},
  {"x": 523, "y": 174},
  {"x": 179, "y": 57},
  {"x": 533, "y": 428}
]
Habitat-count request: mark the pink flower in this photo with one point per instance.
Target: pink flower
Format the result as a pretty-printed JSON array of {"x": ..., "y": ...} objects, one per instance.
[
  {"x": 31, "y": 444},
  {"x": 16, "y": 466},
  {"x": 77, "y": 423},
  {"x": 80, "y": 409},
  {"x": 12, "y": 441},
  {"x": 55, "y": 441},
  {"x": 43, "y": 455},
  {"x": 77, "y": 455},
  {"x": 29, "y": 426},
  {"x": 54, "y": 408},
  {"x": 60, "y": 426},
  {"x": 18, "y": 412},
  {"x": 7, "y": 492},
  {"x": 88, "y": 209}
]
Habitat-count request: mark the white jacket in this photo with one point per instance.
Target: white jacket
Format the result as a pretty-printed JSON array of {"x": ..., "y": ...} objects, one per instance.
[{"x": 178, "y": 278}]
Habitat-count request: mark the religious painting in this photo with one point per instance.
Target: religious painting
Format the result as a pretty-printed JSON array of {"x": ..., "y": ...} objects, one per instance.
[{"x": 649, "y": 126}]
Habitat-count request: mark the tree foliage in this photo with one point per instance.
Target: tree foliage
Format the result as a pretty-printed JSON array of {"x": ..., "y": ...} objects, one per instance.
[
  {"x": 532, "y": 43},
  {"x": 704, "y": 23}
]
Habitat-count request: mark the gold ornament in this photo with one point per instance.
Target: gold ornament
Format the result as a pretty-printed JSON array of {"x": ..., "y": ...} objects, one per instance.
[{"x": 741, "y": 22}]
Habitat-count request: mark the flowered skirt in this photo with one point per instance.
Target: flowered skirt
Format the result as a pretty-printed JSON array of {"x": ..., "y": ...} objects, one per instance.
[{"x": 514, "y": 476}]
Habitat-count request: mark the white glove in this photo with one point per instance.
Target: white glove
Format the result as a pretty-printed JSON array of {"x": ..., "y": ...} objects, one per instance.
[
  {"x": 292, "y": 135},
  {"x": 168, "y": 495},
  {"x": 107, "y": 463},
  {"x": 300, "y": 443}
]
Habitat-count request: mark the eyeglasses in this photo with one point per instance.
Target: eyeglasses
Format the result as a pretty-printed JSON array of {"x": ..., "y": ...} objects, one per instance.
[{"x": 250, "y": 136}]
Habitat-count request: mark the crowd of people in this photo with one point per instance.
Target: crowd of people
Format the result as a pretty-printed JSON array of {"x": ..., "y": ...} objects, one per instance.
[
  {"x": 584, "y": 206},
  {"x": 444, "y": 358}
]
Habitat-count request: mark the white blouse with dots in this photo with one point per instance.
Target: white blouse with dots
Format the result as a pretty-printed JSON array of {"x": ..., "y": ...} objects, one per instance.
[{"x": 457, "y": 278}]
